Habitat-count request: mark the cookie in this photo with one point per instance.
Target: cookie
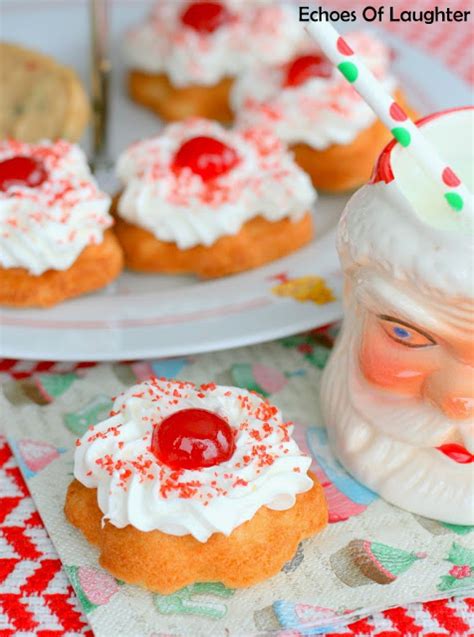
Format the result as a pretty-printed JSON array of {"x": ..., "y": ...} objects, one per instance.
[{"x": 40, "y": 98}]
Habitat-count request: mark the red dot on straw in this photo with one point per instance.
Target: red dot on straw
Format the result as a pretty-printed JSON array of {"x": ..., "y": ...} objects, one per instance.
[
  {"x": 343, "y": 47},
  {"x": 397, "y": 113},
  {"x": 450, "y": 179}
]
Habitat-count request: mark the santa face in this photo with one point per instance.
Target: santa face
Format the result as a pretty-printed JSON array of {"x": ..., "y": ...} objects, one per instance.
[
  {"x": 425, "y": 356},
  {"x": 398, "y": 396}
]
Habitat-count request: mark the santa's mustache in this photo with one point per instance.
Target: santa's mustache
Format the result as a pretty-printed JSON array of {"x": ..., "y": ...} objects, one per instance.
[{"x": 411, "y": 421}]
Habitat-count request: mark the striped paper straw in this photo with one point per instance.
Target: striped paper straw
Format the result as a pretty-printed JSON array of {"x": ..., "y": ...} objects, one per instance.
[{"x": 391, "y": 114}]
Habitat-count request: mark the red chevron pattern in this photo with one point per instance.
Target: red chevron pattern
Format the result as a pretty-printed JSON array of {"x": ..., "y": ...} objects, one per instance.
[
  {"x": 11, "y": 368},
  {"x": 442, "y": 618},
  {"x": 35, "y": 595},
  {"x": 36, "y": 599}
]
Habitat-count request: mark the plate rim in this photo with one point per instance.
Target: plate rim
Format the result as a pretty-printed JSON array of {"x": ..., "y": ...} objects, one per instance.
[{"x": 12, "y": 322}]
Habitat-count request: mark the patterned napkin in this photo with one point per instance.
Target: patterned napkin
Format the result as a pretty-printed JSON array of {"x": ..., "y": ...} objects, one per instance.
[{"x": 371, "y": 556}]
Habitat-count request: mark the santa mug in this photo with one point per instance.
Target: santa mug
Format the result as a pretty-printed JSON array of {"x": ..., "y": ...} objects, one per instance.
[{"x": 398, "y": 392}]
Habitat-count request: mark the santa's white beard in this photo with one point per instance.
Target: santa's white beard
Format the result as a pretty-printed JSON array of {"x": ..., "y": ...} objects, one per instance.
[{"x": 388, "y": 442}]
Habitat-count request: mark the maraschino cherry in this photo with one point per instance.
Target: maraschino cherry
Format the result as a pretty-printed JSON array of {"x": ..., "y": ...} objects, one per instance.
[
  {"x": 205, "y": 156},
  {"x": 305, "y": 68},
  {"x": 21, "y": 171},
  {"x": 205, "y": 17},
  {"x": 193, "y": 439}
]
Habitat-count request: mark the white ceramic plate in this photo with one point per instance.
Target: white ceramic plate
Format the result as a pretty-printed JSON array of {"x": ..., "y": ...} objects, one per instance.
[{"x": 143, "y": 316}]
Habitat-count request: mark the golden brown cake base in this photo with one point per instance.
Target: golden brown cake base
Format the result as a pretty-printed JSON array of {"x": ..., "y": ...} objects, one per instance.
[
  {"x": 341, "y": 168},
  {"x": 253, "y": 552},
  {"x": 39, "y": 98},
  {"x": 172, "y": 103},
  {"x": 96, "y": 266},
  {"x": 259, "y": 241}
]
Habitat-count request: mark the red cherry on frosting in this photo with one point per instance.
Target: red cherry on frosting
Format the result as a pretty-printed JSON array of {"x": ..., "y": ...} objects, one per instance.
[
  {"x": 193, "y": 439},
  {"x": 205, "y": 156},
  {"x": 204, "y": 17},
  {"x": 306, "y": 67},
  {"x": 21, "y": 171}
]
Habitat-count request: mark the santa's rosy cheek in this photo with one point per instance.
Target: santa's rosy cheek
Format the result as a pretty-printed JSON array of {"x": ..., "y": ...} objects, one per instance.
[{"x": 391, "y": 365}]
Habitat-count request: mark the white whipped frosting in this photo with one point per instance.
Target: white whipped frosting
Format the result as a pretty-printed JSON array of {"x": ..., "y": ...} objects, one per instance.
[
  {"x": 263, "y": 31},
  {"x": 48, "y": 226},
  {"x": 134, "y": 487},
  {"x": 183, "y": 209},
  {"x": 321, "y": 111}
]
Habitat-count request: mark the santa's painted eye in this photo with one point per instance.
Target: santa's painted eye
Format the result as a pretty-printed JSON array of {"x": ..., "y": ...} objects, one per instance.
[
  {"x": 401, "y": 332},
  {"x": 404, "y": 333}
]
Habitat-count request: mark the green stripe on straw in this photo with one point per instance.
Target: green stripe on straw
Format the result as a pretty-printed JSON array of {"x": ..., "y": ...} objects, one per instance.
[{"x": 391, "y": 114}]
